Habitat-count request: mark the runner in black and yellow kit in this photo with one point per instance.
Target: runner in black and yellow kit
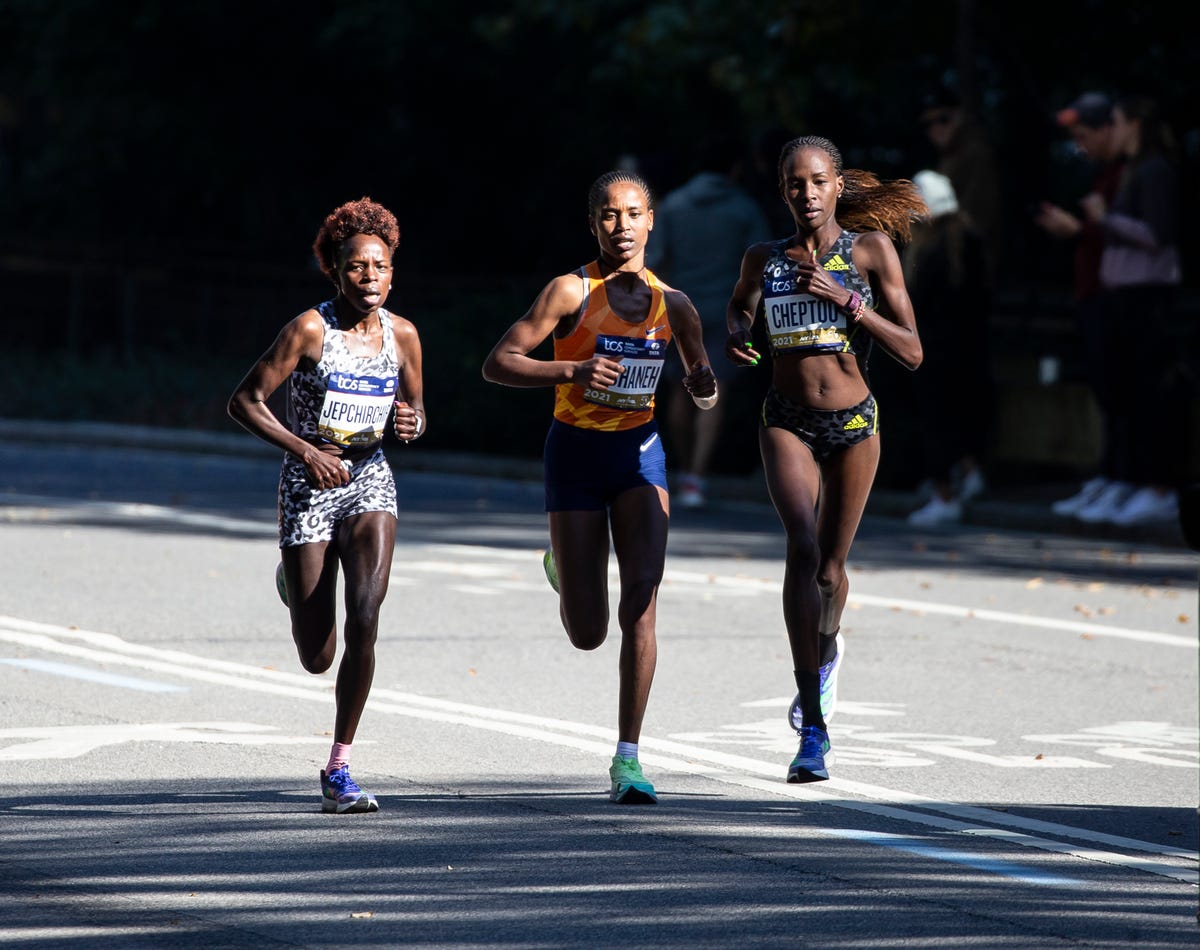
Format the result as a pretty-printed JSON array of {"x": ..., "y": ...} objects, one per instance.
[
  {"x": 612, "y": 321},
  {"x": 828, "y": 293}
]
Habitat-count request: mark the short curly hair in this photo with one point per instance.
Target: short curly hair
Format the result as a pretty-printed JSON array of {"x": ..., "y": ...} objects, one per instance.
[{"x": 354, "y": 217}]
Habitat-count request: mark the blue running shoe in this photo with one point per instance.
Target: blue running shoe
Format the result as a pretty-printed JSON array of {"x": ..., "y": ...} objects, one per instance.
[
  {"x": 551, "y": 569},
  {"x": 341, "y": 794},
  {"x": 281, "y": 584},
  {"x": 829, "y": 674},
  {"x": 809, "y": 763},
  {"x": 629, "y": 785}
]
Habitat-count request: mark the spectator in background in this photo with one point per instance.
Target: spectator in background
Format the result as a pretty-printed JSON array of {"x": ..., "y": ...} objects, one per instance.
[
  {"x": 966, "y": 156},
  {"x": 700, "y": 232},
  {"x": 1089, "y": 122},
  {"x": 945, "y": 272},
  {"x": 763, "y": 179},
  {"x": 1140, "y": 274}
]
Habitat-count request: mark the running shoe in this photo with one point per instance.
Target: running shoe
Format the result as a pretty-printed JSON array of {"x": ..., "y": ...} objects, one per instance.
[
  {"x": 281, "y": 584},
  {"x": 829, "y": 675},
  {"x": 341, "y": 794},
  {"x": 551, "y": 569},
  {"x": 809, "y": 763},
  {"x": 629, "y": 785}
]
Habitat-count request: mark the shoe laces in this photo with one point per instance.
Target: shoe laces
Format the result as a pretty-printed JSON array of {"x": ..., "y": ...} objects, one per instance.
[
  {"x": 812, "y": 741},
  {"x": 341, "y": 781}
]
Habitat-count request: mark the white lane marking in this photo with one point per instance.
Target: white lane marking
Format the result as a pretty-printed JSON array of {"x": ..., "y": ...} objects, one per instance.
[
  {"x": 926, "y": 849},
  {"x": 846, "y": 706},
  {"x": 95, "y": 676},
  {"x": 1025, "y": 620},
  {"x": 18, "y": 507},
  {"x": 675, "y": 756},
  {"x": 70, "y": 742}
]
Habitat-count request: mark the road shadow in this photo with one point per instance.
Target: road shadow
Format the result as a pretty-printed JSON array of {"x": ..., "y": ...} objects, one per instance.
[{"x": 494, "y": 863}]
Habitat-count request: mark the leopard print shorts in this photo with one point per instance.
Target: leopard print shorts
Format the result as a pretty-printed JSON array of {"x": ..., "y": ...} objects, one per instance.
[{"x": 308, "y": 515}]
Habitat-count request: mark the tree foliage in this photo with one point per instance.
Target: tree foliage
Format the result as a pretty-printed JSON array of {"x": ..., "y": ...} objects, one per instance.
[{"x": 217, "y": 127}]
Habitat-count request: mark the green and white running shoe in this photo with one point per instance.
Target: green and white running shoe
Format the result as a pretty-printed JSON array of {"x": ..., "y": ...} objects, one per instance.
[
  {"x": 829, "y": 678},
  {"x": 551, "y": 569},
  {"x": 810, "y": 763},
  {"x": 629, "y": 785}
]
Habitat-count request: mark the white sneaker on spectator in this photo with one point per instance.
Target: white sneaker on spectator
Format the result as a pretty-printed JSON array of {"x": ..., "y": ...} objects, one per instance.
[
  {"x": 691, "y": 492},
  {"x": 1085, "y": 496},
  {"x": 1146, "y": 506},
  {"x": 936, "y": 511},
  {"x": 1106, "y": 504},
  {"x": 972, "y": 485}
]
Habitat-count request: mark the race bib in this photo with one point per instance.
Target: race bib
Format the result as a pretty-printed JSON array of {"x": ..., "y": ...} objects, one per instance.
[
  {"x": 641, "y": 366},
  {"x": 355, "y": 410},
  {"x": 798, "y": 321}
]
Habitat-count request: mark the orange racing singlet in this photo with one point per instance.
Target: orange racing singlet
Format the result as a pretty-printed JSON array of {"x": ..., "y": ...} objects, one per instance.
[{"x": 641, "y": 347}]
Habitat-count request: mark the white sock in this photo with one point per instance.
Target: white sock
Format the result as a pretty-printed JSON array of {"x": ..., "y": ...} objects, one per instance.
[{"x": 627, "y": 750}]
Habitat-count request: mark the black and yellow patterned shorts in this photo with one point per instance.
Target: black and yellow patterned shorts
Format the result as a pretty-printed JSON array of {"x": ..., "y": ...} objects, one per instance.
[{"x": 824, "y": 431}]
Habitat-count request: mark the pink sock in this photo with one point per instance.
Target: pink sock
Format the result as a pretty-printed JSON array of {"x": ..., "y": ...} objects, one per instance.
[{"x": 339, "y": 756}]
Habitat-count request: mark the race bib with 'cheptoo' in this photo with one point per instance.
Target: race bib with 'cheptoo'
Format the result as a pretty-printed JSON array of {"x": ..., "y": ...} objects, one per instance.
[{"x": 798, "y": 321}]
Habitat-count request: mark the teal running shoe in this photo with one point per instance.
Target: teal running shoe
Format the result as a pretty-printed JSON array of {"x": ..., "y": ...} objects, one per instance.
[
  {"x": 809, "y": 763},
  {"x": 829, "y": 678},
  {"x": 551, "y": 569},
  {"x": 629, "y": 785},
  {"x": 281, "y": 584},
  {"x": 340, "y": 794}
]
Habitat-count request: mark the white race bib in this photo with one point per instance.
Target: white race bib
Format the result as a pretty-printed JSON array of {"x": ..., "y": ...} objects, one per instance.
[
  {"x": 355, "y": 410},
  {"x": 798, "y": 321},
  {"x": 641, "y": 367}
]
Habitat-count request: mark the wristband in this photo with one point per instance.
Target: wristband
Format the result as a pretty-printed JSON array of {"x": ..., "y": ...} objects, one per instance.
[{"x": 853, "y": 305}]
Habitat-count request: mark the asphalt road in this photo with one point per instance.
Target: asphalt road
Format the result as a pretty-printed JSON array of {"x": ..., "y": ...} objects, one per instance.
[{"x": 1016, "y": 758}]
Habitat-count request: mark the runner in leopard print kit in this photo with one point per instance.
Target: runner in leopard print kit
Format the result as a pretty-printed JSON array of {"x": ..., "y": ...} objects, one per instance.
[
  {"x": 348, "y": 364},
  {"x": 828, "y": 293}
]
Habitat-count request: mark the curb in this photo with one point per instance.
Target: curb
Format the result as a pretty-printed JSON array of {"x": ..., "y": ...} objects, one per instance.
[{"x": 1019, "y": 510}]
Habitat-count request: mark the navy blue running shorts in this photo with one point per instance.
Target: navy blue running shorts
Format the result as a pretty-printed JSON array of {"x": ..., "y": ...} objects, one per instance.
[{"x": 586, "y": 469}]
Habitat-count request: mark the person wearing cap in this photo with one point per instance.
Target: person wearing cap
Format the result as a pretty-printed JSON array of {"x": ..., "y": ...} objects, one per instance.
[
  {"x": 945, "y": 270},
  {"x": 1088, "y": 120}
]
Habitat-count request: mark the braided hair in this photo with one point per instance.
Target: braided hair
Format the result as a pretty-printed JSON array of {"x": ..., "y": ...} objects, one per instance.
[
  {"x": 600, "y": 186},
  {"x": 866, "y": 203},
  {"x": 343, "y": 222}
]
